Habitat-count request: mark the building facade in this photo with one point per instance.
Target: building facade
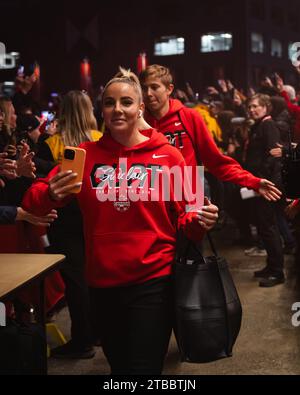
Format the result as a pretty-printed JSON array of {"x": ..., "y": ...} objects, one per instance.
[{"x": 201, "y": 41}]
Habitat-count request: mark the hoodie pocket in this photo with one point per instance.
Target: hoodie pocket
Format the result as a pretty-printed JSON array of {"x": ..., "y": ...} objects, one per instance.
[{"x": 123, "y": 254}]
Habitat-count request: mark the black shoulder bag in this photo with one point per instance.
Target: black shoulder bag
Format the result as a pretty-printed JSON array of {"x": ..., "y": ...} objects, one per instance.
[{"x": 208, "y": 310}]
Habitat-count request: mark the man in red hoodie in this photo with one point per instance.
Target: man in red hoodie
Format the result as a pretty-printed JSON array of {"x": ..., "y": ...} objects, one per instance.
[{"x": 186, "y": 130}]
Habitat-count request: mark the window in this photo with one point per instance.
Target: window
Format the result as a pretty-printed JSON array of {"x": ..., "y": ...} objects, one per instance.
[
  {"x": 276, "y": 48},
  {"x": 257, "y": 43},
  {"x": 170, "y": 45},
  {"x": 215, "y": 42}
]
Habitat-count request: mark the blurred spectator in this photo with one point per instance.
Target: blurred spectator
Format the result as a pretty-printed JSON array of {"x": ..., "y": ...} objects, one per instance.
[
  {"x": 7, "y": 132},
  {"x": 76, "y": 124},
  {"x": 281, "y": 117},
  {"x": 264, "y": 135},
  {"x": 294, "y": 109}
]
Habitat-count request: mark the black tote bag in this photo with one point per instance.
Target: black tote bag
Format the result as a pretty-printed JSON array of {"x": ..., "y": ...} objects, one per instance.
[{"x": 208, "y": 310}]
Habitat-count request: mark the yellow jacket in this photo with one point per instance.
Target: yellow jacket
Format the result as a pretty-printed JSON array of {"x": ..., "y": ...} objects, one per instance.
[
  {"x": 57, "y": 146},
  {"x": 210, "y": 122}
]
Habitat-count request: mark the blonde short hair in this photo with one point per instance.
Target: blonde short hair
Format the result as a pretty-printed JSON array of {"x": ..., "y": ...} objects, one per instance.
[
  {"x": 157, "y": 71},
  {"x": 126, "y": 77}
]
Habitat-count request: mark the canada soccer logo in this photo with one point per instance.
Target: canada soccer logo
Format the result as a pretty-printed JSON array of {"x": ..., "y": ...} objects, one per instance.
[{"x": 122, "y": 206}]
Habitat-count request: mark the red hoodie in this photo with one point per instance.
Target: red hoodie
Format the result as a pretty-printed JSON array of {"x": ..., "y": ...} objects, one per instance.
[
  {"x": 126, "y": 242},
  {"x": 186, "y": 130}
]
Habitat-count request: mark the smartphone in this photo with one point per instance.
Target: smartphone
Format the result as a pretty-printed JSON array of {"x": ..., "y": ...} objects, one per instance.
[
  {"x": 74, "y": 159},
  {"x": 20, "y": 71},
  {"x": 248, "y": 193},
  {"x": 49, "y": 117}
]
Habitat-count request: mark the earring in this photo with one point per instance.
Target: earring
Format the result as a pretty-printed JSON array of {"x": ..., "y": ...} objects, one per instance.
[{"x": 140, "y": 113}]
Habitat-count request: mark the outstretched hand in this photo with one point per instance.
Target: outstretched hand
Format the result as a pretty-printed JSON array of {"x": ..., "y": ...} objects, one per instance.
[
  {"x": 8, "y": 167},
  {"x": 44, "y": 220},
  {"x": 279, "y": 83},
  {"x": 269, "y": 191},
  {"x": 25, "y": 165}
]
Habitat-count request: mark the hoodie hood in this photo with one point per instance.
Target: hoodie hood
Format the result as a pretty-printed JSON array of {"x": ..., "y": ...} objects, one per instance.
[
  {"x": 156, "y": 140},
  {"x": 174, "y": 106}
]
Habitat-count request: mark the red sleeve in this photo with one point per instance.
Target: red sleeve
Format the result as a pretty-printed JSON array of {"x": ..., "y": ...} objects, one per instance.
[
  {"x": 293, "y": 108},
  {"x": 187, "y": 221},
  {"x": 37, "y": 199},
  {"x": 221, "y": 166}
]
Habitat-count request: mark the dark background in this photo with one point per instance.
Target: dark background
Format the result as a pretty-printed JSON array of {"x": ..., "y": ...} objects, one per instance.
[{"x": 111, "y": 33}]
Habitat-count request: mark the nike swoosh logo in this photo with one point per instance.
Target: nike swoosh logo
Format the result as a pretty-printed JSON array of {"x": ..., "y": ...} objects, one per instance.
[
  {"x": 177, "y": 123},
  {"x": 154, "y": 156}
]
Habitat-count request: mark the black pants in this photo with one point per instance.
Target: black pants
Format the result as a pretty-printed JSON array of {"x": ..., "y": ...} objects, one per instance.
[
  {"x": 136, "y": 324},
  {"x": 77, "y": 292},
  {"x": 269, "y": 233}
]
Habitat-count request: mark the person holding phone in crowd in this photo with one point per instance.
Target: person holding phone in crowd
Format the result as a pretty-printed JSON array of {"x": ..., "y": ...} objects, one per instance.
[
  {"x": 76, "y": 124},
  {"x": 130, "y": 244}
]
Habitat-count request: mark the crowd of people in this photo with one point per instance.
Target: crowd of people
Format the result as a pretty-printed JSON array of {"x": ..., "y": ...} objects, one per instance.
[{"x": 119, "y": 254}]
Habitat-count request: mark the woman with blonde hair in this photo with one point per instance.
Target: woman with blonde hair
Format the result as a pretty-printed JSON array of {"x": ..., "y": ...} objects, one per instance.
[
  {"x": 76, "y": 125},
  {"x": 130, "y": 244}
]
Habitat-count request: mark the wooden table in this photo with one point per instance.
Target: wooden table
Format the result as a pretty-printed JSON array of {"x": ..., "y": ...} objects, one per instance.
[{"x": 21, "y": 270}]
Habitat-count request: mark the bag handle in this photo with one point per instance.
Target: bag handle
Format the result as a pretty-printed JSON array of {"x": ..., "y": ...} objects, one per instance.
[
  {"x": 211, "y": 243},
  {"x": 195, "y": 246}
]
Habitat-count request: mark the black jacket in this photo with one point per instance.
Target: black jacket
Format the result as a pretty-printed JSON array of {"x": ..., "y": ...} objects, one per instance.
[
  {"x": 284, "y": 123},
  {"x": 263, "y": 136}
]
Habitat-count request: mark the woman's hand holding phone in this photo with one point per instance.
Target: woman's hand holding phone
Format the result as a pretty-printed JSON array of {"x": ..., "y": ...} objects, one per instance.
[{"x": 60, "y": 185}]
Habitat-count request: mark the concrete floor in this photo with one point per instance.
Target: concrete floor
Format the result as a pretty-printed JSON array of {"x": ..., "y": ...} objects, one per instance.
[{"x": 267, "y": 343}]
